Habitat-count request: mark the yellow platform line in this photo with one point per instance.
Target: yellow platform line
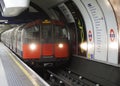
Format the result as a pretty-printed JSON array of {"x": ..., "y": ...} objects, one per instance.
[{"x": 24, "y": 71}]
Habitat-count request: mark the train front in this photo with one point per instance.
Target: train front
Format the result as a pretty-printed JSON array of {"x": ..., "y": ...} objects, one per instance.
[{"x": 46, "y": 42}]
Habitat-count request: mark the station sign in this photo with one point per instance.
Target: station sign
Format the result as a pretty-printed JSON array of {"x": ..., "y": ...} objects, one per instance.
[
  {"x": 112, "y": 35},
  {"x": 90, "y": 35}
]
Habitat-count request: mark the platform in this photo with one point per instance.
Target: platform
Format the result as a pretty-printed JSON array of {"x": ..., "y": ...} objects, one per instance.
[{"x": 13, "y": 72}]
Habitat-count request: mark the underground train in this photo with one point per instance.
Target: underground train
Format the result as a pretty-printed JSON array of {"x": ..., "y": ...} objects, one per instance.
[{"x": 39, "y": 41}]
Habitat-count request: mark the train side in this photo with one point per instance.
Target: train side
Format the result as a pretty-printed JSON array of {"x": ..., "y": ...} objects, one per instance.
[{"x": 39, "y": 41}]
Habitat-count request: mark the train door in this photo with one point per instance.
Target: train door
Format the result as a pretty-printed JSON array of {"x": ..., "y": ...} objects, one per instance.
[
  {"x": 12, "y": 39},
  {"x": 47, "y": 40},
  {"x": 15, "y": 39},
  {"x": 19, "y": 45}
]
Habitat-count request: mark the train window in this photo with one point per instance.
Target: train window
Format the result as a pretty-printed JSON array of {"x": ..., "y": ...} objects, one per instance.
[
  {"x": 64, "y": 32},
  {"x": 46, "y": 35},
  {"x": 19, "y": 35},
  {"x": 31, "y": 34},
  {"x": 60, "y": 32}
]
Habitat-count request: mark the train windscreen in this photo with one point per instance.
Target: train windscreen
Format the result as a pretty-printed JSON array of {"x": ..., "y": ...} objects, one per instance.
[
  {"x": 60, "y": 32},
  {"x": 31, "y": 34},
  {"x": 46, "y": 33}
]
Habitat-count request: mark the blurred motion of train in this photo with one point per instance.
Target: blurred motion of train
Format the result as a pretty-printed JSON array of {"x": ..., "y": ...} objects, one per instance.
[{"x": 39, "y": 41}]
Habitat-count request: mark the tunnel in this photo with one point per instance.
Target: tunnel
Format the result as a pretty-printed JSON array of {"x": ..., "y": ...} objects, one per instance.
[{"x": 93, "y": 27}]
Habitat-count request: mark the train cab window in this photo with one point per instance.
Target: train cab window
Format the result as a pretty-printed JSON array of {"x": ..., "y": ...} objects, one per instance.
[
  {"x": 31, "y": 34},
  {"x": 46, "y": 33},
  {"x": 61, "y": 32}
]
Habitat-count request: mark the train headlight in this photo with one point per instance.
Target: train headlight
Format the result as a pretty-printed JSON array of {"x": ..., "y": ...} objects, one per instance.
[
  {"x": 33, "y": 46},
  {"x": 60, "y": 45}
]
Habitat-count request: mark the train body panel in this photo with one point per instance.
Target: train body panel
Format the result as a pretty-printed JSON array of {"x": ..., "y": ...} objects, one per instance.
[
  {"x": 47, "y": 50},
  {"x": 14, "y": 39},
  {"x": 31, "y": 51},
  {"x": 61, "y": 50}
]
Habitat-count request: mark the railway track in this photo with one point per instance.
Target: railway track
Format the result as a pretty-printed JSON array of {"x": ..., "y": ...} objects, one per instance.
[{"x": 65, "y": 77}]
